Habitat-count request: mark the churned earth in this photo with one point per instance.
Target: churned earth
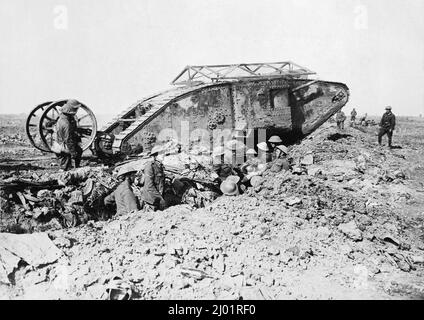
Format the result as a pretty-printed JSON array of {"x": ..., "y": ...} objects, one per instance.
[{"x": 347, "y": 223}]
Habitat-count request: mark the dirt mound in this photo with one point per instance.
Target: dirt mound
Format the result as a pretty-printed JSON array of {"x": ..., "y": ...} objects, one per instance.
[{"x": 335, "y": 227}]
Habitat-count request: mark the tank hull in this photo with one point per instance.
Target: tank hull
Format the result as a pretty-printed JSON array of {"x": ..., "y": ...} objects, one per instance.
[{"x": 254, "y": 110}]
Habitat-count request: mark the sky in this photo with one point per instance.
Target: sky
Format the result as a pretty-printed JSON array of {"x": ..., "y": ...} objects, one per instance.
[{"x": 110, "y": 53}]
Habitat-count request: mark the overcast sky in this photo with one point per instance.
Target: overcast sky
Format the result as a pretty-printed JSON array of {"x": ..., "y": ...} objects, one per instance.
[{"x": 110, "y": 53}]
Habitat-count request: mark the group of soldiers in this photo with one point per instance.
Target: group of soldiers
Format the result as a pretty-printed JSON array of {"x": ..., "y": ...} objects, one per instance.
[
  {"x": 236, "y": 177},
  {"x": 153, "y": 186},
  {"x": 233, "y": 177},
  {"x": 387, "y": 123},
  {"x": 341, "y": 118},
  {"x": 66, "y": 146}
]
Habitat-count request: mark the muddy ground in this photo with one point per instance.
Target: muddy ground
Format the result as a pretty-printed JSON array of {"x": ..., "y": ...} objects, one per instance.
[{"x": 347, "y": 223}]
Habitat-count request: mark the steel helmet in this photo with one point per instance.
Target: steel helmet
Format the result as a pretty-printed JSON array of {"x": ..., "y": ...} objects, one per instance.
[
  {"x": 262, "y": 166},
  {"x": 388, "y": 108},
  {"x": 235, "y": 145},
  {"x": 71, "y": 107},
  {"x": 126, "y": 169},
  {"x": 250, "y": 168},
  {"x": 263, "y": 146},
  {"x": 218, "y": 151},
  {"x": 275, "y": 139},
  {"x": 251, "y": 151},
  {"x": 229, "y": 188},
  {"x": 198, "y": 150},
  {"x": 195, "y": 152},
  {"x": 156, "y": 150},
  {"x": 234, "y": 179},
  {"x": 283, "y": 149},
  {"x": 256, "y": 181}
]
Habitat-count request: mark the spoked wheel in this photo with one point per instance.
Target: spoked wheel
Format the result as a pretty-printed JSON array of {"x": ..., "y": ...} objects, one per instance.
[
  {"x": 31, "y": 126},
  {"x": 86, "y": 124}
]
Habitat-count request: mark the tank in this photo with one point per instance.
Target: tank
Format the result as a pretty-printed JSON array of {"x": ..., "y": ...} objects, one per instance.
[
  {"x": 249, "y": 102},
  {"x": 210, "y": 104}
]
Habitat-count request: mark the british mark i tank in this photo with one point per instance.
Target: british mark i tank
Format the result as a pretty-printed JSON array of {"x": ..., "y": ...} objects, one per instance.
[{"x": 210, "y": 103}]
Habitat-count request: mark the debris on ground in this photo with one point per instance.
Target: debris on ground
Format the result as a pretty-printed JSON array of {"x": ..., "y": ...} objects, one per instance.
[
  {"x": 33, "y": 249},
  {"x": 345, "y": 223}
]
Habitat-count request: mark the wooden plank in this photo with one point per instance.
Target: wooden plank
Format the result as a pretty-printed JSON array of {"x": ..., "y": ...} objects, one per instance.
[{"x": 23, "y": 200}]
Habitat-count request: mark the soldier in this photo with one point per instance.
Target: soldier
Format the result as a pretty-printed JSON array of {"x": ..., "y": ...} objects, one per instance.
[
  {"x": 363, "y": 120},
  {"x": 274, "y": 141},
  {"x": 265, "y": 155},
  {"x": 67, "y": 141},
  {"x": 353, "y": 115},
  {"x": 154, "y": 182},
  {"x": 387, "y": 125},
  {"x": 250, "y": 167},
  {"x": 124, "y": 196},
  {"x": 222, "y": 168},
  {"x": 340, "y": 119},
  {"x": 281, "y": 162},
  {"x": 236, "y": 152},
  {"x": 251, "y": 162}
]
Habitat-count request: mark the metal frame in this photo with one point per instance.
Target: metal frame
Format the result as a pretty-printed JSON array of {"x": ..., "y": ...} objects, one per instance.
[{"x": 193, "y": 75}]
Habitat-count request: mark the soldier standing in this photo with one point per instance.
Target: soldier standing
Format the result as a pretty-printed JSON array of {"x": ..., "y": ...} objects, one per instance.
[
  {"x": 67, "y": 146},
  {"x": 154, "y": 182},
  {"x": 353, "y": 115},
  {"x": 387, "y": 125},
  {"x": 275, "y": 141},
  {"x": 340, "y": 119}
]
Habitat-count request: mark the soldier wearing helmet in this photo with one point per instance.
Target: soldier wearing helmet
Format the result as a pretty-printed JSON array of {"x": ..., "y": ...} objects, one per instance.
[
  {"x": 274, "y": 141},
  {"x": 154, "y": 181},
  {"x": 264, "y": 153},
  {"x": 66, "y": 147},
  {"x": 280, "y": 162},
  {"x": 251, "y": 156},
  {"x": 281, "y": 152},
  {"x": 387, "y": 125},
  {"x": 353, "y": 115},
  {"x": 340, "y": 119},
  {"x": 261, "y": 162},
  {"x": 236, "y": 152},
  {"x": 229, "y": 186},
  {"x": 222, "y": 167},
  {"x": 250, "y": 167},
  {"x": 123, "y": 196}
]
